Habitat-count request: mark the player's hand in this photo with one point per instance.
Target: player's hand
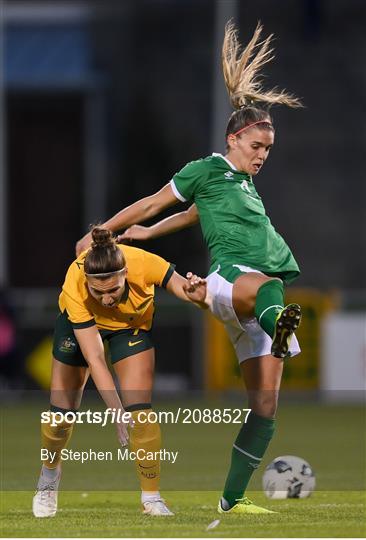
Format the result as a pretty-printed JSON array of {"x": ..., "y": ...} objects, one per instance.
[
  {"x": 83, "y": 244},
  {"x": 122, "y": 430},
  {"x": 196, "y": 290},
  {"x": 135, "y": 232}
]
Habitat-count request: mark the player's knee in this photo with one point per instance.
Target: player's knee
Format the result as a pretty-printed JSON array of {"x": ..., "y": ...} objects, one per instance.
[
  {"x": 264, "y": 404},
  {"x": 68, "y": 400}
]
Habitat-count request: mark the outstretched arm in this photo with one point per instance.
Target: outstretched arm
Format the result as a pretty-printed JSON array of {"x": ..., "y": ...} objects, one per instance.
[
  {"x": 139, "y": 211},
  {"x": 168, "y": 225}
]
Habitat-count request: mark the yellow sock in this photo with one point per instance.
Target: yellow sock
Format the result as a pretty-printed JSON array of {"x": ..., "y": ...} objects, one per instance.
[
  {"x": 145, "y": 439},
  {"x": 54, "y": 439}
]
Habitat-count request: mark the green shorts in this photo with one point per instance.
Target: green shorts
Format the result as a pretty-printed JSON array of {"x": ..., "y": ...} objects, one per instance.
[
  {"x": 122, "y": 343},
  {"x": 231, "y": 272}
]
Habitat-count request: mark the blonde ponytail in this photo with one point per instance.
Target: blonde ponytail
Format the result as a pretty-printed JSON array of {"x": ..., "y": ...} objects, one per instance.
[{"x": 241, "y": 71}]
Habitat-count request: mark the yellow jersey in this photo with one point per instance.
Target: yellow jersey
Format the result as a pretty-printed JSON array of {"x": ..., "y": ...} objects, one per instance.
[{"x": 136, "y": 309}]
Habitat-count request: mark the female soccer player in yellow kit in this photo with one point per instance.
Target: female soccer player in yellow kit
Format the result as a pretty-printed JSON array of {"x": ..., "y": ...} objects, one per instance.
[
  {"x": 250, "y": 261},
  {"x": 108, "y": 295}
]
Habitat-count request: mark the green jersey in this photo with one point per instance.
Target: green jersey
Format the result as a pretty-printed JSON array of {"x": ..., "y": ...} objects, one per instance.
[{"x": 233, "y": 219}]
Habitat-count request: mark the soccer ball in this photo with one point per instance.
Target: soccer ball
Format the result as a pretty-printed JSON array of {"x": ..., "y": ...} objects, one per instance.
[{"x": 288, "y": 477}]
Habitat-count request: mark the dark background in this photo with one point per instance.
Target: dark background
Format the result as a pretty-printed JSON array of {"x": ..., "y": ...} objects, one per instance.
[
  {"x": 101, "y": 102},
  {"x": 154, "y": 63}
]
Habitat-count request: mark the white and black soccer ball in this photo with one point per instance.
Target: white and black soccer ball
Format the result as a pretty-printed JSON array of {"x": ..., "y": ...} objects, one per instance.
[{"x": 288, "y": 477}]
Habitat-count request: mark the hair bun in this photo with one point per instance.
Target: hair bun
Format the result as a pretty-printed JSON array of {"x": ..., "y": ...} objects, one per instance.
[
  {"x": 105, "y": 256},
  {"x": 102, "y": 238}
]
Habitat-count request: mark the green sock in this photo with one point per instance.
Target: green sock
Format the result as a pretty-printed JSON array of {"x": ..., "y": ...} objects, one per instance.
[
  {"x": 268, "y": 304},
  {"x": 249, "y": 448}
]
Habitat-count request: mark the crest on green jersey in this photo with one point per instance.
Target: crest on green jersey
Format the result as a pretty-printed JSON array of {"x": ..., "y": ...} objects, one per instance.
[{"x": 244, "y": 186}]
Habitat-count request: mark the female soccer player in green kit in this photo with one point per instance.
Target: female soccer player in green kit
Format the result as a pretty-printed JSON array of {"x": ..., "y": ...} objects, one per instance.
[{"x": 250, "y": 261}]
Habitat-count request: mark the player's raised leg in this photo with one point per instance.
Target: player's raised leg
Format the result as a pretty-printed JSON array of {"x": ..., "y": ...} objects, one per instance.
[{"x": 255, "y": 293}]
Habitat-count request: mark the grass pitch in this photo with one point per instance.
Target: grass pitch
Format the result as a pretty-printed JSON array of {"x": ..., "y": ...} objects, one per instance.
[
  {"x": 118, "y": 514},
  {"x": 102, "y": 499}
]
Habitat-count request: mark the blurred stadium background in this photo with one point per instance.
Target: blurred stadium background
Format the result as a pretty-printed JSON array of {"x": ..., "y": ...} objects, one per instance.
[{"x": 101, "y": 102}]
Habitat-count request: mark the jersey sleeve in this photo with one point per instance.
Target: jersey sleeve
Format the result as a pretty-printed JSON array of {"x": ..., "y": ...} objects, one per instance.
[
  {"x": 71, "y": 298},
  {"x": 187, "y": 182},
  {"x": 157, "y": 270}
]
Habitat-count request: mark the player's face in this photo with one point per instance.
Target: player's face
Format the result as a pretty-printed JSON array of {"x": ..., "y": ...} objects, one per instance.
[
  {"x": 249, "y": 150},
  {"x": 108, "y": 292}
]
